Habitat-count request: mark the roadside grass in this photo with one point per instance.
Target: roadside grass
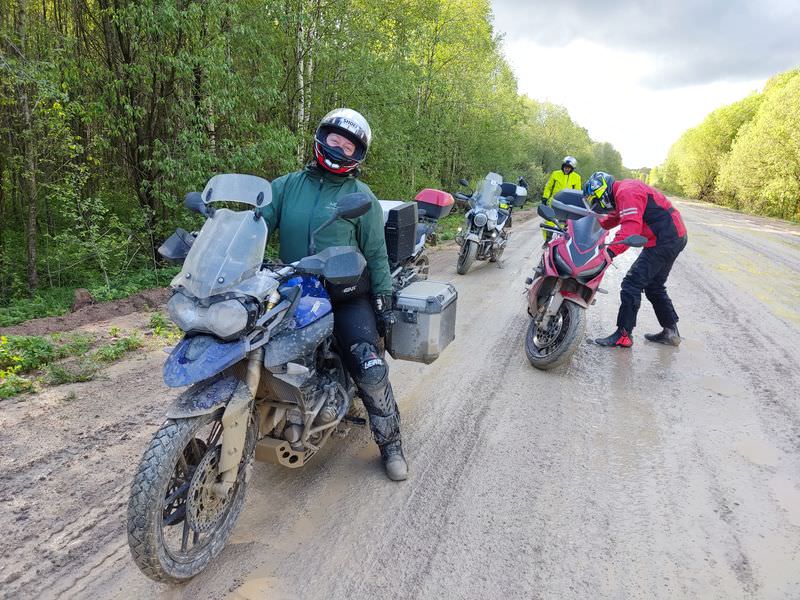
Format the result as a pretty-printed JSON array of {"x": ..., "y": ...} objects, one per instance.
[
  {"x": 56, "y": 301},
  {"x": 164, "y": 328},
  {"x": 56, "y": 359},
  {"x": 447, "y": 228},
  {"x": 118, "y": 348},
  {"x": 74, "y": 372}
]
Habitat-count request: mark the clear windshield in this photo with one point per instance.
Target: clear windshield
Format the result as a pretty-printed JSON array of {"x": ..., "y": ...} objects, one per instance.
[
  {"x": 489, "y": 194},
  {"x": 228, "y": 250},
  {"x": 232, "y": 187}
]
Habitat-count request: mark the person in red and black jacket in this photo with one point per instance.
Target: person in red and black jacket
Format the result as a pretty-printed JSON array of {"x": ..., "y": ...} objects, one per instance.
[{"x": 640, "y": 210}]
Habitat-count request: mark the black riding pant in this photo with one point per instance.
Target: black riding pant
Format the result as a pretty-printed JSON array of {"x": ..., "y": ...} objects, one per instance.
[
  {"x": 649, "y": 274},
  {"x": 356, "y": 333}
]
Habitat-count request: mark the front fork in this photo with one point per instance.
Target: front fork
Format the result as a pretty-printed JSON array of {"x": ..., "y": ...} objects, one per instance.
[
  {"x": 553, "y": 305},
  {"x": 235, "y": 421}
]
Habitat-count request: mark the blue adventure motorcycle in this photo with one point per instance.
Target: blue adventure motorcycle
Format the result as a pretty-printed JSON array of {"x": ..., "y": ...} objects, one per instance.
[{"x": 266, "y": 379}]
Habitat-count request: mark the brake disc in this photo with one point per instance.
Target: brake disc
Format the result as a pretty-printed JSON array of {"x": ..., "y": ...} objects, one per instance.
[
  {"x": 204, "y": 509},
  {"x": 544, "y": 338}
]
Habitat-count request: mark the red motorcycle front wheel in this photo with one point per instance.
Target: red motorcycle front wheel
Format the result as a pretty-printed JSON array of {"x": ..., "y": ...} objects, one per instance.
[{"x": 551, "y": 348}]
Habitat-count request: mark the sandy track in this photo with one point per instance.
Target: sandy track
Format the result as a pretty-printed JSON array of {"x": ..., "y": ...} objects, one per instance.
[{"x": 650, "y": 473}]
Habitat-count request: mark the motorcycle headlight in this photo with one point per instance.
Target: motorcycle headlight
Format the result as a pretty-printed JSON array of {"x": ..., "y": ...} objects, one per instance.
[
  {"x": 480, "y": 220},
  {"x": 226, "y": 319},
  {"x": 185, "y": 313}
]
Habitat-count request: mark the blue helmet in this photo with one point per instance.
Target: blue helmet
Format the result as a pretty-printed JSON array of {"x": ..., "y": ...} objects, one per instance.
[{"x": 599, "y": 192}]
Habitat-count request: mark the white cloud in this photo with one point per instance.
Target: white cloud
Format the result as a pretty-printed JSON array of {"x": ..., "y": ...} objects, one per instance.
[{"x": 606, "y": 89}]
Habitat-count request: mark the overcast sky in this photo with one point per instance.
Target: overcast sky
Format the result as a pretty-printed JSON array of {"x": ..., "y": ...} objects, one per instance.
[{"x": 638, "y": 74}]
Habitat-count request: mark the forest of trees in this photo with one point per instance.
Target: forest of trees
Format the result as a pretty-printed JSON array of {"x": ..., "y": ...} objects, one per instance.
[
  {"x": 745, "y": 155},
  {"x": 110, "y": 110}
]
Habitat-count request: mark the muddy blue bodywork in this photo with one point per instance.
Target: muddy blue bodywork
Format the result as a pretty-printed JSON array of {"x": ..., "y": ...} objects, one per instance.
[
  {"x": 199, "y": 357},
  {"x": 314, "y": 303}
]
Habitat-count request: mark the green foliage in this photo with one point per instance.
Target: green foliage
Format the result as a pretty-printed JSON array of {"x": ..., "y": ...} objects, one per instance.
[
  {"x": 58, "y": 300},
  {"x": 163, "y": 327},
  {"x": 762, "y": 172},
  {"x": 694, "y": 161},
  {"x": 72, "y": 372},
  {"x": 111, "y": 112},
  {"x": 447, "y": 228},
  {"x": 74, "y": 344},
  {"x": 116, "y": 349},
  {"x": 12, "y": 384},
  {"x": 25, "y": 352},
  {"x": 745, "y": 155}
]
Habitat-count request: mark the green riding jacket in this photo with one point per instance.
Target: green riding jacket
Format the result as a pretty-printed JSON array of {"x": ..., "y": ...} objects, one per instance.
[{"x": 303, "y": 200}]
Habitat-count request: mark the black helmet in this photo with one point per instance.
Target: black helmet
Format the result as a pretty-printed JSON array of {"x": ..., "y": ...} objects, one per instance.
[
  {"x": 350, "y": 124},
  {"x": 599, "y": 192}
]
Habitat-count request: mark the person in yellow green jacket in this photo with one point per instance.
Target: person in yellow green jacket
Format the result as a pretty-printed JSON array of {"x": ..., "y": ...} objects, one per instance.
[{"x": 564, "y": 178}]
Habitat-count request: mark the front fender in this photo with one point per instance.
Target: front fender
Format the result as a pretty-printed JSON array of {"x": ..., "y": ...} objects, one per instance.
[
  {"x": 575, "y": 297},
  {"x": 472, "y": 237},
  {"x": 200, "y": 357},
  {"x": 209, "y": 396},
  {"x": 205, "y": 397}
]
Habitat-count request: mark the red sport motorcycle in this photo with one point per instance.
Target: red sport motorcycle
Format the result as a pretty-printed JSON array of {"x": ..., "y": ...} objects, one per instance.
[{"x": 568, "y": 277}]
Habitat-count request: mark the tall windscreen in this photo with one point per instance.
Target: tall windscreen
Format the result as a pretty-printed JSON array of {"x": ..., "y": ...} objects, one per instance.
[{"x": 228, "y": 250}]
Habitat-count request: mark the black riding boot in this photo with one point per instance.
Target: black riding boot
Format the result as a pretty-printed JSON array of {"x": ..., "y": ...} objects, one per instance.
[
  {"x": 669, "y": 336},
  {"x": 384, "y": 420},
  {"x": 384, "y": 417}
]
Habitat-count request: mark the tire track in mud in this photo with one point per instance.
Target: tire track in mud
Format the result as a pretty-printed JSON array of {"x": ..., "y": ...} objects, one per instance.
[
  {"x": 66, "y": 481},
  {"x": 447, "y": 457},
  {"x": 769, "y": 376}
]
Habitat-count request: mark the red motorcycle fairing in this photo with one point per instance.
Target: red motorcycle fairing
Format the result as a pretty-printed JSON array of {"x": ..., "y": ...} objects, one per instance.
[{"x": 573, "y": 262}]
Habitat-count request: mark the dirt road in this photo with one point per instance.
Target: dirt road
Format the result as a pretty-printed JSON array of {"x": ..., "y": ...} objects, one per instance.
[{"x": 649, "y": 473}]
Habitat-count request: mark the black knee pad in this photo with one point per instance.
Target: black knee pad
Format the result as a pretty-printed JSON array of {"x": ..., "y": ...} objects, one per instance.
[{"x": 373, "y": 372}]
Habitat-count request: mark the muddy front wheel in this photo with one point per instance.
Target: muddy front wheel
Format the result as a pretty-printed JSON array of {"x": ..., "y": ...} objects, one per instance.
[
  {"x": 466, "y": 257},
  {"x": 552, "y": 347},
  {"x": 177, "y": 523}
]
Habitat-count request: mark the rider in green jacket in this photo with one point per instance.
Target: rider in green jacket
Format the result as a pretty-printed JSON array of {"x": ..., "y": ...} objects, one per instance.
[{"x": 301, "y": 202}]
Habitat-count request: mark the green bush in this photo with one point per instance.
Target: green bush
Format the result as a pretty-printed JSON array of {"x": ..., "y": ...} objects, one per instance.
[
  {"x": 12, "y": 384},
  {"x": 27, "y": 353}
]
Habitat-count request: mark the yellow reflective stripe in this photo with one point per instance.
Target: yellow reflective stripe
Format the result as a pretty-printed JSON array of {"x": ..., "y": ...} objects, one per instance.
[{"x": 598, "y": 193}]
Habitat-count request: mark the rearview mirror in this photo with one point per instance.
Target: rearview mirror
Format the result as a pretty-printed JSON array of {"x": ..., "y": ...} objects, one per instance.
[
  {"x": 464, "y": 182},
  {"x": 546, "y": 212},
  {"x": 353, "y": 205},
  {"x": 635, "y": 241},
  {"x": 176, "y": 247},
  {"x": 349, "y": 206},
  {"x": 194, "y": 202}
]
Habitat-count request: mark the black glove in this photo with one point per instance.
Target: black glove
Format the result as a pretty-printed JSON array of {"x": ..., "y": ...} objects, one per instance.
[
  {"x": 384, "y": 315},
  {"x": 544, "y": 200}
]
